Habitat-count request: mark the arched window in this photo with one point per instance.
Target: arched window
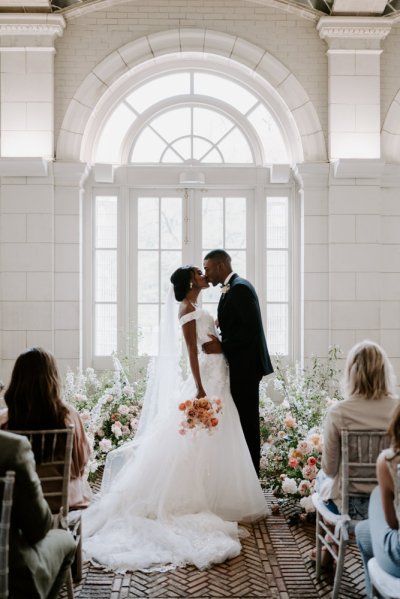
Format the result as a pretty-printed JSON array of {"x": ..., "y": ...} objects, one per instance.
[
  {"x": 194, "y": 149},
  {"x": 192, "y": 116}
]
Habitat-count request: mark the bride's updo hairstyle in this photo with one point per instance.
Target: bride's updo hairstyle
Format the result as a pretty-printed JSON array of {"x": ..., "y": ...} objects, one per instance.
[{"x": 181, "y": 280}]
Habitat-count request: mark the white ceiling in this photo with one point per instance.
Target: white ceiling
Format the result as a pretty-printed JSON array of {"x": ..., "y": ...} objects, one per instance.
[{"x": 384, "y": 8}]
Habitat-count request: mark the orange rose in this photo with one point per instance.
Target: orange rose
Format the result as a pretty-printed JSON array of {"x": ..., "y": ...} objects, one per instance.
[
  {"x": 214, "y": 421},
  {"x": 182, "y": 406}
]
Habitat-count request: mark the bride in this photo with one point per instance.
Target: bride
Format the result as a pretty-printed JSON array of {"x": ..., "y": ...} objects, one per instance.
[{"x": 169, "y": 499}]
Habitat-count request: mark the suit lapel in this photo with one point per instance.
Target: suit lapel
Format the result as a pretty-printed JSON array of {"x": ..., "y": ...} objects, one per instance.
[{"x": 222, "y": 299}]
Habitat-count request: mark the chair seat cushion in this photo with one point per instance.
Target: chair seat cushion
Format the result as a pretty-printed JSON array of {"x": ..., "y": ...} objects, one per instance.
[
  {"x": 385, "y": 583},
  {"x": 331, "y": 518}
]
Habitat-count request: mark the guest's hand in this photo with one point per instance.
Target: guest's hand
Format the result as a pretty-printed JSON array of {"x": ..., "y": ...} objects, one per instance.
[{"x": 212, "y": 347}]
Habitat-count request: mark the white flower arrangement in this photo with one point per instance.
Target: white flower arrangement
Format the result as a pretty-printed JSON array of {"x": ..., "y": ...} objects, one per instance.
[
  {"x": 291, "y": 431},
  {"x": 109, "y": 407}
]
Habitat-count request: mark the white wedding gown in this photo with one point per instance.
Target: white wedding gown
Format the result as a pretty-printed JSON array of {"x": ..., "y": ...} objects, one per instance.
[{"x": 177, "y": 499}]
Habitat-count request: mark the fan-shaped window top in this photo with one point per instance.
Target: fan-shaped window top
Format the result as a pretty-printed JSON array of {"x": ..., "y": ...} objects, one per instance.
[{"x": 191, "y": 116}]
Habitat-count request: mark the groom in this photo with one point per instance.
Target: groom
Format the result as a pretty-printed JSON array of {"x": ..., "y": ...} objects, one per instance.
[{"x": 242, "y": 342}]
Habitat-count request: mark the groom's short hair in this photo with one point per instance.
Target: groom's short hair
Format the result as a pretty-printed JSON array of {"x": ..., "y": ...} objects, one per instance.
[{"x": 219, "y": 256}]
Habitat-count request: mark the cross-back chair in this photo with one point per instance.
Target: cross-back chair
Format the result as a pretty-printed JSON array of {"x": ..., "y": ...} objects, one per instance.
[
  {"x": 359, "y": 452},
  {"x": 383, "y": 584},
  {"x": 52, "y": 449},
  {"x": 6, "y": 499}
]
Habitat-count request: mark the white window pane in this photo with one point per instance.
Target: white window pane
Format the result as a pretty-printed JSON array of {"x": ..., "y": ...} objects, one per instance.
[
  {"x": 225, "y": 90},
  {"x": 184, "y": 147},
  {"x": 171, "y": 156},
  {"x": 213, "y": 157},
  {"x": 277, "y": 329},
  {"x": 235, "y": 148},
  {"x": 159, "y": 89},
  {"x": 106, "y": 276},
  {"x": 273, "y": 143},
  {"x": 212, "y": 223},
  {"x": 105, "y": 342},
  {"x": 106, "y": 222},
  {"x": 235, "y": 225},
  {"x": 277, "y": 276},
  {"x": 200, "y": 147},
  {"x": 148, "y": 218},
  {"x": 148, "y": 276},
  {"x": 173, "y": 124},
  {"x": 148, "y": 147},
  {"x": 277, "y": 222},
  {"x": 238, "y": 261},
  {"x": 148, "y": 328},
  {"x": 114, "y": 131},
  {"x": 171, "y": 223},
  {"x": 170, "y": 261},
  {"x": 210, "y": 124},
  {"x": 212, "y": 294}
]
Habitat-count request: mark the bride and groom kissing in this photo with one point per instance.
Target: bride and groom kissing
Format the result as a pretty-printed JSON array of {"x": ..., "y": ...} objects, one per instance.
[{"x": 175, "y": 500}]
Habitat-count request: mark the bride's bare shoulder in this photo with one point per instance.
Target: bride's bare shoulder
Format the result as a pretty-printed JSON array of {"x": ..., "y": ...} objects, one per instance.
[{"x": 185, "y": 307}]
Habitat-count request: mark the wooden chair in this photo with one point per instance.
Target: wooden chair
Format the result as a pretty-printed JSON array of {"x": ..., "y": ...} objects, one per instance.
[
  {"x": 53, "y": 454},
  {"x": 6, "y": 499},
  {"x": 360, "y": 450},
  {"x": 383, "y": 584}
]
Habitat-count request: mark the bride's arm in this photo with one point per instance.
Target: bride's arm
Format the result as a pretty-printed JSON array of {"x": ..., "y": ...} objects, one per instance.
[{"x": 189, "y": 333}]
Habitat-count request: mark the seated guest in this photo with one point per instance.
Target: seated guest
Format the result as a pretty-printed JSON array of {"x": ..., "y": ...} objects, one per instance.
[
  {"x": 379, "y": 535},
  {"x": 33, "y": 400},
  {"x": 370, "y": 400},
  {"x": 39, "y": 555}
]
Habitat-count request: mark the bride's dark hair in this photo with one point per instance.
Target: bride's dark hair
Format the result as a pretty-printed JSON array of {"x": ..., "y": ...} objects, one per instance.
[{"x": 181, "y": 280}]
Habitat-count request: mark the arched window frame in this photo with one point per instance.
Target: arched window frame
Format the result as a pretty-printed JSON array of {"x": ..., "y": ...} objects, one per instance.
[{"x": 130, "y": 173}]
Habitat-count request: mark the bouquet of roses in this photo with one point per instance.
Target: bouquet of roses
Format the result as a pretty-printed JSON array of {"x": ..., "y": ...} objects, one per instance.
[{"x": 200, "y": 414}]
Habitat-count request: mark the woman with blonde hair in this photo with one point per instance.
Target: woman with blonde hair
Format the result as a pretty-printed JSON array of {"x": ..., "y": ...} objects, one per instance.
[
  {"x": 369, "y": 402},
  {"x": 34, "y": 402}
]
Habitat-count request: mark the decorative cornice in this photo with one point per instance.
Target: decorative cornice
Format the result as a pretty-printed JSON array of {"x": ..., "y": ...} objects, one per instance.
[
  {"x": 364, "y": 28},
  {"x": 49, "y": 26}
]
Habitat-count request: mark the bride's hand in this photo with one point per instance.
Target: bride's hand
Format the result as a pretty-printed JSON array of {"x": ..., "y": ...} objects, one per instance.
[
  {"x": 201, "y": 393},
  {"x": 212, "y": 347}
]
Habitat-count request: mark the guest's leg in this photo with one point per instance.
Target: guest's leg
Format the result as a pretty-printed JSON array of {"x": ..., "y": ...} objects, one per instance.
[
  {"x": 364, "y": 542},
  {"x": 385, "y": 540}
]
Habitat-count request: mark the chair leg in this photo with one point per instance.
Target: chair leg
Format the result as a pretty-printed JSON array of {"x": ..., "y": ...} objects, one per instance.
[
  {"x": 70, "y": 587},
  {"x": 318, "y": 546},
  {"x": 339, "y": 569}
]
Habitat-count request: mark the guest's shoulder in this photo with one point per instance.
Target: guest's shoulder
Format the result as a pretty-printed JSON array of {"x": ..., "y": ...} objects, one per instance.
[{"x": 13, "y": 449}]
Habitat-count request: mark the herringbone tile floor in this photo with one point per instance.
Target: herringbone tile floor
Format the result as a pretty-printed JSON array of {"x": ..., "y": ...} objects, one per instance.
[{"x": 274, "y": 564}]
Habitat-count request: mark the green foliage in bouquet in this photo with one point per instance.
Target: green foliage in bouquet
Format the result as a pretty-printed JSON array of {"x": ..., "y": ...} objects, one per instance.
[
  {"x": 109, "y": 407},
  {"x": 291, "y": 431}
]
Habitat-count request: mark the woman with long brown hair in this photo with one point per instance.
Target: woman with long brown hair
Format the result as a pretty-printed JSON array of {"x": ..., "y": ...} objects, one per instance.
[
  {"x": 34, "y": 402},
  {"x": 379, "y": 536}
]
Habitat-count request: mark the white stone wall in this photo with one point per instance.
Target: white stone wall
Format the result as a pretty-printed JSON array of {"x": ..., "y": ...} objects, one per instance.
[
  {"x": 91, "y": 37},
  {"x": 350, "y": 263}
]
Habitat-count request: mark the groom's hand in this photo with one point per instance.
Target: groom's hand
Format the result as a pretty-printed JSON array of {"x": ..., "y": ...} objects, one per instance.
[{"x": 212, "y": 347}]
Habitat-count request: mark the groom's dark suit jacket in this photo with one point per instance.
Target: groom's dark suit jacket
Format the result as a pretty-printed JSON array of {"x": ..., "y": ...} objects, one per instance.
[
  {"x": 244, "y": 346},
  {"x": 242, "y": 334}
]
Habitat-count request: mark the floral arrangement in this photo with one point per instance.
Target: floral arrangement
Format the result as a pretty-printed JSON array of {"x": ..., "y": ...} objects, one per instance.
[
  {"x": 200, "y": 414},
  {"x": 108, "y": 406},
  {"x": 291, "y": 430}
]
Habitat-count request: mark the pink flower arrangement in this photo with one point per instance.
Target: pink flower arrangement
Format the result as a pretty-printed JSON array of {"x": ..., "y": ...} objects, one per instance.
[{"x": 200, "y": 414}]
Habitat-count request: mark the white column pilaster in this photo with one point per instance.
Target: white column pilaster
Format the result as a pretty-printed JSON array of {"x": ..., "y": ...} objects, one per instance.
[
  {"x": 27, "y": 83},
  {"x": 354, "y": 48}
]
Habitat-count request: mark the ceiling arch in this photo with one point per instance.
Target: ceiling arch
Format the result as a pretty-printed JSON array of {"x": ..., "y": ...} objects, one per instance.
[{"x": 112, "y": 77}]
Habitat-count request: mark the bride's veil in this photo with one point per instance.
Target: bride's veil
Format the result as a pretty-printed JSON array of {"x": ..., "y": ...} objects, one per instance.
[{"x": 161, "y": 395}]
